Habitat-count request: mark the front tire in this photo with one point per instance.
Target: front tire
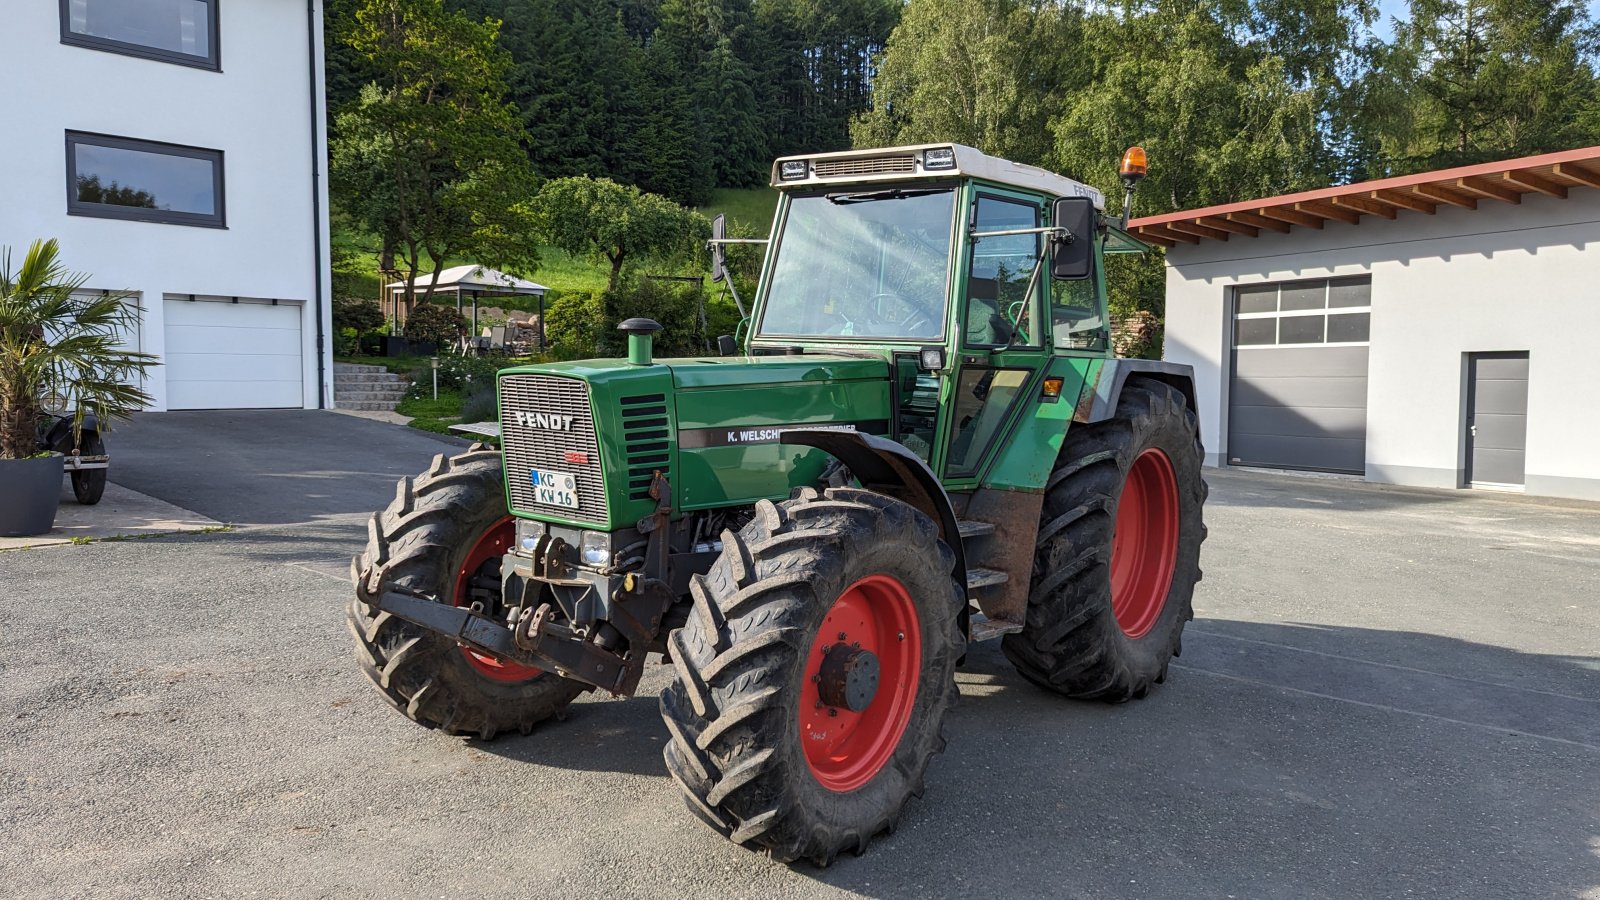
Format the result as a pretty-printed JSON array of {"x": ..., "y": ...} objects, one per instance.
[
  {"x": 814, "y": 673},
  {"x": 442, "y": 537},
  {"x": 90, "y": 484},
  {"x": 1118, "y": 552}
]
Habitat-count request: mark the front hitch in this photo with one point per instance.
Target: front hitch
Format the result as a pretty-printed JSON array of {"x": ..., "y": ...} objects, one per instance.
[{"x": 542, "y": 647}]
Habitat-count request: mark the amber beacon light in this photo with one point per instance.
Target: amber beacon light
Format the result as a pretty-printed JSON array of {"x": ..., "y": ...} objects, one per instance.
[{"x": 1134, "y": 167}]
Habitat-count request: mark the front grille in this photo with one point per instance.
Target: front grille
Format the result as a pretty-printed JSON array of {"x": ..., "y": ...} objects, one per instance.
[
  {"x": 575, "y": 451},
  {"x": 877, "y": 165},
  {"x": 644, "y": 433}
]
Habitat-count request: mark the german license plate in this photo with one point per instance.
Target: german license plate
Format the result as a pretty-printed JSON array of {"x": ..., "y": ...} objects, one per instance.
[{"x": 555, "y": 488}]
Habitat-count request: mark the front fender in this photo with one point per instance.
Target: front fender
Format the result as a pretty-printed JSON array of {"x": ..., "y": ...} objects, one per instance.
[
  {"x": 59, "y": 435},
  {"x": 889, "y": 468}
]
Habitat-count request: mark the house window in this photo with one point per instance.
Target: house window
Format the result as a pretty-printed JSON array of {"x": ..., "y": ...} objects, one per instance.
[
  {"x": 122, "y": 178},
  {"x": 176, "y": 31},
  {"x": 1303, "y": 313}
]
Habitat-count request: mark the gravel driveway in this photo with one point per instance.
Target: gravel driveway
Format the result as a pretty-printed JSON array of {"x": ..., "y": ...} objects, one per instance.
[{"x": 1384, "y": 692}]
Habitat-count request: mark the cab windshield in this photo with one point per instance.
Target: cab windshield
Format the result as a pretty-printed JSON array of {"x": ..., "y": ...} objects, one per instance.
[{"x": 863, "y": 264}]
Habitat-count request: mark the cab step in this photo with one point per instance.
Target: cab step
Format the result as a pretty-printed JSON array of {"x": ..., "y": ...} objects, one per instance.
[
  {"x": 970, "y": 529},
  {"x": 982, "y": 578},
  {"x": 983, "y": 628}
]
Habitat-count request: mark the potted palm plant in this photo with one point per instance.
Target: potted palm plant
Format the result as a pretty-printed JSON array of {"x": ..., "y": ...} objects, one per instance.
[{"x": 56, "y": 341}]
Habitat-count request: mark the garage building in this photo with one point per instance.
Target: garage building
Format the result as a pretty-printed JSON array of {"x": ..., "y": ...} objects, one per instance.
[
  {"x": 1434, "y": 330},
  {"x": 176, "y": 152}
]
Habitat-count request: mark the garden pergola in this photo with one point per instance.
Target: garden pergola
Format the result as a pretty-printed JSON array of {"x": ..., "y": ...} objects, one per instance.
[{"x": 468, "y": 284}]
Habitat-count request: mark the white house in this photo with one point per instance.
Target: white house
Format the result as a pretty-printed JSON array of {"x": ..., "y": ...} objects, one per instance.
[
  {"x": 176, "y": 150},
  {"x": 1436, "y": 330}
]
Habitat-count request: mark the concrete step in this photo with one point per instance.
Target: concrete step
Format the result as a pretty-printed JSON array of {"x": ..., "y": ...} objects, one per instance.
[
  {"x": 372, "y": 386},
  {"x": 365, "y": 405},
  {"x": 369, "y": 377},
  {"x": 339, "y": 367},
  {"x": 367, "y": 397}
]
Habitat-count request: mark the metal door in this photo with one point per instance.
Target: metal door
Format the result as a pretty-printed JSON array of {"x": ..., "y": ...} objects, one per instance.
[{"x": 1497, "y": 419}]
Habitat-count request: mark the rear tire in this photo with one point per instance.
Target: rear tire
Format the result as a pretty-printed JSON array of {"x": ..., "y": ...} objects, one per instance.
[
  {"x": 90, "y": 484},
  {"x": 423, "y": 542},
  {"x": 1107, "y": 608},
  {"x": 757, "y": 752}
]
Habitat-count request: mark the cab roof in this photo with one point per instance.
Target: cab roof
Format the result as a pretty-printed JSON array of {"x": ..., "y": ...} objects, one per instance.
[{"x": 909, "y": 163}]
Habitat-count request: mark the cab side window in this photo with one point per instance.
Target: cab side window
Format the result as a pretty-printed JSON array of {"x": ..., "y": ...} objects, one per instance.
[
  {"x": 998, "y": 314},
  {"x": 1077, "y": 319}
]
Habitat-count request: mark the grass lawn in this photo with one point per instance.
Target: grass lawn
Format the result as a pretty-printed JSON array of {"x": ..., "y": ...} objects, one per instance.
[{"x": 429, "y": 414}]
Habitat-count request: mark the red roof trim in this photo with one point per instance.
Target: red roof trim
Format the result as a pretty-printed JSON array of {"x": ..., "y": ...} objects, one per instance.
[{"x": 1504, "y": 181}]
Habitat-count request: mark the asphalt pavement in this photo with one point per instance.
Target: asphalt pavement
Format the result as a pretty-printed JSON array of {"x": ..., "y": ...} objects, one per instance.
[{"x": 1384, "y": 692}]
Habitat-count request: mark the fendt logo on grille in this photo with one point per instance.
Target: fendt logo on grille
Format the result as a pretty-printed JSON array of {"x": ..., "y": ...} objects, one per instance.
[{"x": 547, "y": 421}]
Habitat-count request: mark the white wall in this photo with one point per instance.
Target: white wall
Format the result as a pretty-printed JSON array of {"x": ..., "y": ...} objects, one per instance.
[
  {"x": 1503, "y": 277},
  {"x": 256, "y": 110}
]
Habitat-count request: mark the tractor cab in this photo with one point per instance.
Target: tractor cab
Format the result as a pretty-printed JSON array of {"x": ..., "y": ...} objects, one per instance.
[{"x": 972, "y": 276}]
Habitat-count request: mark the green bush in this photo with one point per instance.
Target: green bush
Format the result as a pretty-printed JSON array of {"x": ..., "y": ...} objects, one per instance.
[
  {"x": 464, "y": 373},
  {"x": 573, "y": 325},
  {"x": 355, "y": 313},
  {"x": 432, "y": 322}
]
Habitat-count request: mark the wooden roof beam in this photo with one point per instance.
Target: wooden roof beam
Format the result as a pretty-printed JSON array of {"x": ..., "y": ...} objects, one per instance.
[
  {"x": 1483, "y": 187},
  {"x": 1403, "y": 200},
  {"x": 1259, "y": 221},
  {"x": 1149, "y": 237},
  {"x": 1195, "y": 228},
  {"x": 1329, "y": 211},
  {"x": 1576, "y": 174},
  {"x": 1435, "y": 192},
  {"x": 1526, "y": 179},
  {"x": 1227, "y": 224},
  {"x": 1165, "y": 233},
  {"x": 1285, "y": 214},
  {"x": 1363, "y": 205}
]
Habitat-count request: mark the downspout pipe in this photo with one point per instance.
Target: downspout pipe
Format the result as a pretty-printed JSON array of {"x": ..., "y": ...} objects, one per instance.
[{"x": 316, "y": 200}]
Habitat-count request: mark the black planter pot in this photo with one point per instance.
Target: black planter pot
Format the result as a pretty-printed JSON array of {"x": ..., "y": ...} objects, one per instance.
[{"x": 30, "y": 492}]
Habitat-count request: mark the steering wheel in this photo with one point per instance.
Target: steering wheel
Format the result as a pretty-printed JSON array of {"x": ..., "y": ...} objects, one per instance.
[{"x": 1014, "y": 312}]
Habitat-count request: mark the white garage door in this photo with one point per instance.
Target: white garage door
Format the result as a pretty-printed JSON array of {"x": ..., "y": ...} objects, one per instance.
[{"x": 225, "y": 355}]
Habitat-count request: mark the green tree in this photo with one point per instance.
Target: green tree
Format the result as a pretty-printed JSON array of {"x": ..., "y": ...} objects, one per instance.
[
  {"x": 603, "y": 220},
  {"x": 988, "y": 73},
  {"x": 427, "y": 156},
  {"x": 1489, "y": 79}
]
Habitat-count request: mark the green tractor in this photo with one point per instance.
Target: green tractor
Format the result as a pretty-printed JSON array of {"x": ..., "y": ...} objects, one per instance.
[{"x": 921, "y": 440}]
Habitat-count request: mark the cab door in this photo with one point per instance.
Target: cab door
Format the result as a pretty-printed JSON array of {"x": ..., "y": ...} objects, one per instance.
[{"x": 1001, "y": 346}]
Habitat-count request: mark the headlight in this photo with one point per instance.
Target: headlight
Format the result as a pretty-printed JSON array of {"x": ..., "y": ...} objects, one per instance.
[
  {"x": 528, "y": 534},
  {"x": 939, "y": 158},
  {"x": 792, "y": 170},
  {"x": 596, "y": 549}
]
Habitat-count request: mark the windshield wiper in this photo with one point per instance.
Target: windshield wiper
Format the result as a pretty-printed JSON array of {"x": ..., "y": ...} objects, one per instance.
[{"x": 891, "y": 194}]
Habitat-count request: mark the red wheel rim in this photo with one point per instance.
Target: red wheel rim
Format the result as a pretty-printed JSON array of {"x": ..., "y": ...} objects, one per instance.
[
  {"x": 492, "y": 544},
  {"x": 1144, "y": 546},
  {"x": 846, "y": 749}
]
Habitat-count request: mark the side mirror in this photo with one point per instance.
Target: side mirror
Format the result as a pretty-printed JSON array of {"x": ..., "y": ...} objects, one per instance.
[
  {"x": 1071, "y": 258},
  {"x": 726, "y": 345},
  {"x": 719, "y": 257}
]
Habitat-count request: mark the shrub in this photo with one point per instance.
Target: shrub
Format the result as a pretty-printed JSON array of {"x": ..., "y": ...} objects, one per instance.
[
  {"x": 355, "y": 313},
  {"x": 573, "y": 325},
  {"x": 464, "y": 373},
  {"x": 432, "y": 322}
]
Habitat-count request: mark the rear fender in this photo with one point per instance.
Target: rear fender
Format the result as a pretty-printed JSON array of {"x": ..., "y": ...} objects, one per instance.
[
  {"x": 890, "y": 469},
  {"x": 1098, "y": 402}
]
